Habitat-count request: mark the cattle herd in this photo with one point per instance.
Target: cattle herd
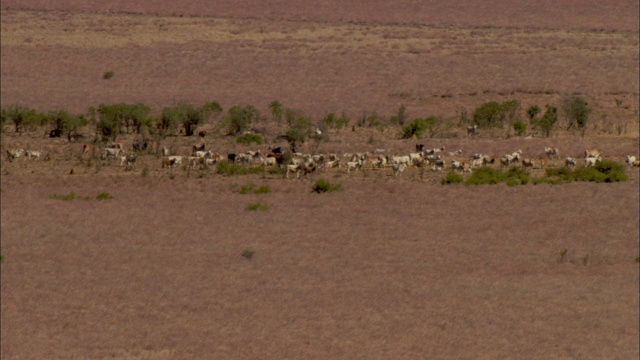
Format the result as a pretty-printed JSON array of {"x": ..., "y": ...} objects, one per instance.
[{"x": 300, "y": 164}]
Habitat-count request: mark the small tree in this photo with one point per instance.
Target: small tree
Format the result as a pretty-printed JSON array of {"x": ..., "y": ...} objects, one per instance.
[
  {"x": 276, "y": 110},
  {"x": 239, "y": 119},
  {"x": 63, "y": 122},
  {"x": 415, "y": 128},
  {"x": 489, "y": 114},
  {"x": 548, "y": 120},
  {"x": 510, "y": 110},
  {"x": 299, "y": 128},
  {"x": 520, "y": 127},
  {"x": 169, "y": 120},
  {"x": 577, "y": 111},
  {"x": 196, "y": 116},
  {"x": 21, "y": 116},
  {"x": 533, "y": 112},
  {"x": 401, "y": 116},
  {"x": 110, "y": 119}
]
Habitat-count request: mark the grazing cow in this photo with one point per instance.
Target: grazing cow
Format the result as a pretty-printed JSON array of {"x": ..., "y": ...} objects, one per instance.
[
  {"x": 477, "y": 163},
  {"x": 456, "y": 153},
  {"x": 416, "y": 158},
  {"x": 471, "y": 130},
  {"x": 195, "y": 148},
  {"x": 13, "y": 154},
  {"x": 231, "y": 158},
  {"x": 196, "y": 161},
  {"x": 112, "y": 152},
  {"x": 293, "y": 169},
  {"x": 204, "y": 154},
  {"x": 527, "y": 163},
  {"x": 552, "y": 152},
  {"x": 55, "y": 133},
  {"x": 115, "y": 145},
  {"x": 631, "y": 159},
  {"x": 128, "y": 160},
  {"x": 591, "y": 153},
  {"x": 419, "y": 147},
  {"x": 466, "y": 167},
  {"x": 569, "y": 162},
  {"x": 268, "y": 161},
  {"x": 33, "y": 154},
  {"x": 278, "y": 150},
  {"x": 636, "y": 163},
  {"x": 168, "y": 163},
  {"x": 202, "y": 134},
  {"x": 591, "y": 161},
  {"x": 86, "y": 149},
  {"x": 331, "y": 164},
  {"x": 433, "y": 151},
  {"x": 456, "y": 165},
  {"x": 177, "y": 159},
  {"x": 400, "y": 160},
  {"x": 140, "y": 146},
  {"x": 398, "y": 168},
  {"x": 438, "y": 165},
  {"x": 353, "y": 165}
]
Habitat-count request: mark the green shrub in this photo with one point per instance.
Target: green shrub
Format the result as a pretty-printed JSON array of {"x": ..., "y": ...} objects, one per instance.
[
  {"x": 248, "y": 253},
  {"x": 322, "y": 186},
  {"x": 258, "y": 206},
  {"x": 520, "y": 128},
  {"x": 416, "y": 127},
  {"x": 108, "y": 75},
  {"x": 104, "y": 196},
  {"x": 69, "y": 197},
  {"x": 485, "y": 175},
  {"x": 603, "y": 171},
  {"x": 452, "y": 178},
  {"x": 246, "y": 189},
  {"x": 516, "y": 176},
  {"x": 249, "y": 138}
]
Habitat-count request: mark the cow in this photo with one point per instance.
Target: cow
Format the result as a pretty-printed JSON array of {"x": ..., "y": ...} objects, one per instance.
[
  {"x": 419, "y": 147},
  {"x": 86, "y": 149},
  {"x": 195, "y": 148},
  {"x": 231, "y": 158},
  {"x": 471, "y": 130}
]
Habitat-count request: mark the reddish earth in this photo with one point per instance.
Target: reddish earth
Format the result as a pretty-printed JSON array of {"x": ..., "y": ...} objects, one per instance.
[{"x": 387, "y": 268}]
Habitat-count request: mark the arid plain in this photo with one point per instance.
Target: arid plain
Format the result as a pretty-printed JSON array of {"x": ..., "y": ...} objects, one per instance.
[{"x": 387, "y": 268}]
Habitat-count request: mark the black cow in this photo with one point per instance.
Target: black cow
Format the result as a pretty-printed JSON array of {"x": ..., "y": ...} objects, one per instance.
[{"x": 231, "y": 158}]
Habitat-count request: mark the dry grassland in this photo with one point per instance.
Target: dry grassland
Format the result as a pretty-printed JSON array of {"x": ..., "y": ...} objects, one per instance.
[{"x": 388, "y": 268}]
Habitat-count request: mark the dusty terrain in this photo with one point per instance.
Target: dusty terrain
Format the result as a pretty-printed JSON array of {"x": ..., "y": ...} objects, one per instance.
[{"x": 387, "y": 268}]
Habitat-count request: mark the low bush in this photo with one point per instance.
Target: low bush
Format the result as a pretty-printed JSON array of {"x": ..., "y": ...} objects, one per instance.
[
  {"x": 258, "y": 206},
  {"x": 104, "y": 196},
  {"x": 323, "y": 186},
  {"x": 486, "y": 175},
  {"x": 603, "y": 171},
  {"x": 452, "y": 178},
  {"x": 246, "y": 189},
  {"x": 249, "y": 138},
  {"x": 248, "y": 253},
  {"x": 69, "y": 197},
  {"x": 516, "y": 176}
]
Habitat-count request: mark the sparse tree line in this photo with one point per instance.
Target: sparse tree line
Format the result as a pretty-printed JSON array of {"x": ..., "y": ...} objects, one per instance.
[{"x": 110, "y": 121}]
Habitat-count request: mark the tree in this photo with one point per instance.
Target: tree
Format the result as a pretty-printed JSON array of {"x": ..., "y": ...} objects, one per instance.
[
  {"x": 548, "y": 120},
  {"x": 110, "y": 119},
  {"x": 489, "y": 114},
  {"x": 299, "y": 127},
  {"x": 276, "y": 110},
  {"x": 239, "y": 118},
  {"x": 401, "y": 117},
  {"x": 196, "y": 116},
  {"x": 63, "y": 122},
  {"x": 169, "y": 120},
  {"x": 577, "y": 111},
  {"x": 21, "y": 116},
  {"x": 510, "y": 110},
  {"x": 415, "y": 127},
  {"x": 533, "y": 112}
]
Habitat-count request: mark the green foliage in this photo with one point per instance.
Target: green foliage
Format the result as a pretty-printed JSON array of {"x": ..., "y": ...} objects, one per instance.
[
  {"x": 69, "y": 197},
  {"x": 226, "y": 168},
  {"x": 247, "y": 189},
  {"x": 604, "y": 171},
  {"x": 485, "y": 175},
  {"x": 323, "y": 186},
  {"x": 520, "y": 128},
  {"x": 334, "y": 122},
  {"x": 65, "y": 123},
  {"x": 248, "y": 253},
  {"x": 249, "y": 138},
  {"x": 108, "y": 75},
  {"x": 145, "y": 171},
  {"x": 104, "y": 196},
  {"x": 489, "y": 114},
  {"x": 239, "y": 118},
  {"x": 197, "y": 116},
  {"x": 547, "y": 122},
  {"x": 577, "y": 111},
  {"x": 169, "y": 120},
  {"x": 276, "y": 110},
  {"x": 416, "y": 127},
  {"x": 113, "y": 117},
  {"x": 21, "y": 116},
  {"x": 533, "y": 112},
  {"x": 452, "y": 178},
  {"x": 299, "y": 127},
  {"x": 258, "y": 206}
]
